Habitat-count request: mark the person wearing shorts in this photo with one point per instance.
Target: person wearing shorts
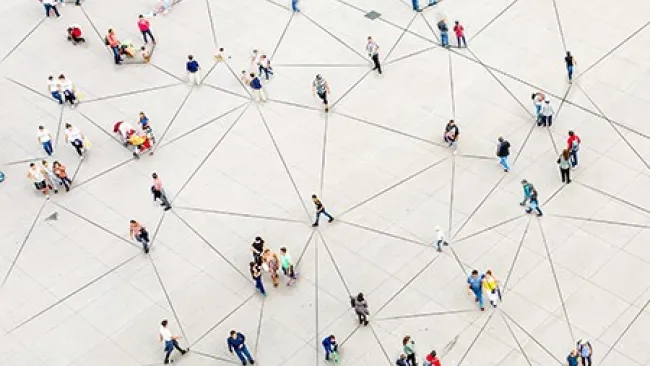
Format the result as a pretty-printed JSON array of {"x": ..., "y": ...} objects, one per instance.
[
  {"x": 321, "y": 87},
  {"x": 35, "y": 174}
]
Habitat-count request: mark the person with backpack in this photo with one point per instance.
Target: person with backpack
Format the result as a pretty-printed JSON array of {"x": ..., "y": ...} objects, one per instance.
[
  {"x": 475, "y": 287},
  {"x": 444, "y": 33},
  {"x": 432, "y": 359},
  {"x": 360, "y": 308},
  {"x": 534, "y": 203},
  {"x": 331, "y": 347},
  {"x": 585, "y": 350},
  {"x": 503, "y": 151},
  {"x": 140, "y": 234},
  {"x": 111, "y": 41},
  {"x": 573, "y": 143}
]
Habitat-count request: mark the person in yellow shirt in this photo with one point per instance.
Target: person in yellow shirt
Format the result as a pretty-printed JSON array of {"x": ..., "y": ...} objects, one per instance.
[{"x": 491, "y": 286}]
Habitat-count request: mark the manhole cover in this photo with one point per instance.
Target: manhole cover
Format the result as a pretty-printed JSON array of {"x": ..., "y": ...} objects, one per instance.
[{"x": 372, "y": 15}]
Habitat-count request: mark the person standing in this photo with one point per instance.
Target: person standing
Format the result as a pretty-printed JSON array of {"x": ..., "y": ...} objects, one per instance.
[
  {"x": 321, "y": 87},
  {"x": 491, "y": 286},
  {"x": 320, "y": 210},
  {"x": 37, "y": 176},
  {"x": 409, "y": 350},
  {"x": 256, "y": 85},
  {"x": 440, "y": 239},
  {"x": 402, "y": 361},
  {"x": 287, "y": 266},
  {"x": 170, "y": 341},
  {"x": 432, "y": 359},
  {"x": 265, "y": 66},
  {"x": 54, "y": 89},
  {"x": 460, "y": 33},
  {"x": 565, "y": 166},
  {"x": 534, "y": 203},
  {"x": 112, "y": 42},
  {"x": 193, "y": 70},
  {"x": 140, "y": 234},
  {"x": 475, "y": 287},
  {"x": 547, "y": 114},
  {"x": 272, "y": 262},
  {"x": 158, "y": 192},
  {"x": 294, "y": 6},
  {"x": 330, "y": 346},
  {"x": 68, "y": 90},
  {"x": 257, "y": 248},
  {"x": 585, "y": 350},
  {"x": 75, "y": 138},
  {"x": 538, "y": 101},
  {"x": 256, "y": 273},
  {"x": 570, "y": 64},
  {"x": 236, "y": 343},
  {"x": 572, "y": 359},
  {"x": 452, "y": 133},
  {"x": 50, "y": 5},
  {"x": 444, "y": 32},
  {"x": 373, "y": 53},
  {"x": 45, "y": 138},
  {"x": 52, "y": 179},
  {"x": 360, "y": 306},
  {"x": 145, "y": 29},
  {"x": 60, "y": 171},
  {"x": 503, "y": 151},
  {"x": 573, "y": 143}
]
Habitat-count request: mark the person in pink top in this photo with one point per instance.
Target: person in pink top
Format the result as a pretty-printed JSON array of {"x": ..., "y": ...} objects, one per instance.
[
  {"x": 145, "y": 29},
  {"x": 112, "y": 42},
  {"x": 140, "y": 234},
  {"x": 460, "y": 34},
  {"x": 158, "y": 192}
]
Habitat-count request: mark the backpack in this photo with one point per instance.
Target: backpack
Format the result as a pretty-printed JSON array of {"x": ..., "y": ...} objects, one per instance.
[
  {"x": 353, "y": 302},
  {"x": 106, "y": 41}
]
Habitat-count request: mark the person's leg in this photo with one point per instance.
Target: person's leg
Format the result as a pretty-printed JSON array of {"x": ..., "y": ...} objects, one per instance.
[
  {"x": 56, "y": 11},
  {"x": 260, "y": 286},
  {"x": 550, "y": 120},
  {"x": 178, "y": 347},
  {"x": 574, "y": 157},
  {"x": 197, "y": 76},
  {"x": 47, "y": 10},
  {"x": 47, "y": 146},
  {"x": 116, "y": 54},
  {"x": 330, "y": 217},
  {"x": 262, "y": 95},
  {"x": 244, "y": 350},
  {"x": 327, "y": 354},
  {"x": 570, "y": 72},
  {"x": 317, "y": 218},
  {"x": 257, "y": 94},
  {"x": 563, "y": 174},
  {"x": 504, "y": 162},
  {"x": 458, "y": 40},
  {"x": 411, "y": 359},
  {"x": 239, "y": 354},
  {"x": 165, "y": 201},
  {"x": 168, "y": 352},
  {"x": 479, "y": 296},
  {"x": 151, "y": 36},
  {"x": 144, "y": 36},
  {"x": 78, "y": 146},
  {"x": 438, "y": 245},
  {"x": 375, "y": 59},
  {"x": 66, "y": 182},
  {"x": 568, "y": 175},
  {"x": 416, "y": 5},
  {"x": 56, "y": 95}
]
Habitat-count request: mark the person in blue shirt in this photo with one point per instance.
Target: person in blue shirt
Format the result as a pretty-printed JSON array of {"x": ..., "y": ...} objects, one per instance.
[
  {"x": 416, "y": 5},
  {"x": 193, "y": 68},
  {"x": 236, "y": 344},
  {"x": 475, "y": 283},
  {"x": 256, "y": 85},
  {"x": 330, "y": 346},
  {"x": 572, "y": 359},
  {"x": 585, "y": 350}
]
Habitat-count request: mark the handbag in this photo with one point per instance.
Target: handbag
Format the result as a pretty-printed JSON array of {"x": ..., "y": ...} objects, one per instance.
[{"x": 87, "y": 144}]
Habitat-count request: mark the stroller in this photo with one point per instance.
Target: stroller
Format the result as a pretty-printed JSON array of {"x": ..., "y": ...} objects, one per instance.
[
  {"x": 74, "y": 34},
  {"x": 141, "y": 144}
]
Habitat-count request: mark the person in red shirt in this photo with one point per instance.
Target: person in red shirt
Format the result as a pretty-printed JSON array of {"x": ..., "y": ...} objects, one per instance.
[
  {"x": 573, "y": 145},
  {"x": 112, "y": 42},
  {"x": 460, "y": 34},
  {"x": 432, "y": 359},
  {"x": 74, "y": 34},
  {"x": 143, "y": 25}
]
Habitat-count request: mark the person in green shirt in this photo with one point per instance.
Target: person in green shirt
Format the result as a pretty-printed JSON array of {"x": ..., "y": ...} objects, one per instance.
[
  {"x": 287, "y": 266},
  {"x": 409, "y": 350}
]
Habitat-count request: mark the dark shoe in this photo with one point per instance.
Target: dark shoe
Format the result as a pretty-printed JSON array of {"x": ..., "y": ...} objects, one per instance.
[
  {"x": 252, "y": 362},
  {"x": 314, "y": 224},
  {"x": 167, "y": 208},
  {"x": 146, "y": 251},
  {"x": 540, "y": 214},
  {"x": 439, "y": 250},
  {"x": 528, "y": 210},
  {"x": 330, "y": 220},
  {"x": 482, "y": 309},
  {"x": 365, "y": 323}
]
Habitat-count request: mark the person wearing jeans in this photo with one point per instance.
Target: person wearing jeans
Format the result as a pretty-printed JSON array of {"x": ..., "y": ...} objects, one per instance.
[
  {"x": 114, "y": 44},
  {"x": 475, "y": 287},
  {"x": 573, "y": 143},
  {"x": 294, "y": 6},
  {"x": 45, "y": 138},
  {"x": 236, "y": 344},
  {"x": 192, "y": 67},
  {"x": 320, "y": 210},
  {"x": 444, "y": 33},
  {"x": 145, "y": 29},
  {"x": 503, "y": 151},
  {"x": 140, "y": 234},
  {"x": 50, "y": 5},
  {"x": 75, "y": 138}
]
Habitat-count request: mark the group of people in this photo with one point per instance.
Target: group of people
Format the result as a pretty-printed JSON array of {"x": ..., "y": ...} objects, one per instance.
[
  {"x": 265, "y": 260},
  {"x": 409, "y": 358},
  {"x": 140, "y": 141},
  {"x": 126, "y": 48},
  {"x": 47, "y": 178},
  {"x": 478, "y": 284},
  {"x": 62, "y": 90}
]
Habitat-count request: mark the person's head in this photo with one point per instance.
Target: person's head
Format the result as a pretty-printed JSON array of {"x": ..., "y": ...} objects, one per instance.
[
  {"x": 474, "y": 273},
  {"x": 44, "y": 162},
  {"x": 61, "y": 77},
  {"x": 547, "y": 101},
  {"x": 488, "y": 272},
  {"x": 68, "y": 126},
  {"x": 32, "y": 165},
  {"x": 360, "y": 296},
  {"x": 402, "y": 357},
  {"x": 406, "y": 339},
  {"x": 221, "y": 49},
  {"x": 190, "y": 57},
  {"x": 452, "y": 122},
  {"x": 164, "y": 323},
  {"x": 140, "y": 16},
  {"x": 56, "y": 164},
  {"x": 252, "y": 75},
  {"x": 437, "y": 228},
  {"x": 433, "y": 354},
  {"x": 565, "y": 154},
  {"x": 143, "y": 48},
  {"x": 267, "y": 251},
  {"x": 110, "y": 31},
  {"x": 524, "y": 182},
  {"x": 369, "y": 38},
  {"x": 573, "y": 353},
  {"x": 258, "y": 238},
  {"x": 456, "y": 22},
  {"x": 571, "y": 133},
  {"x": 154, "y": 175},
  {"x": 50, "y": 78},
  {"x": 133, "y": 222},
  {"x": 233, "y": 334},
  {"x": 283, "y": 250},
  {"x": 500, "y": 139},
  {"x": 254, "y": 52},
  {"x": 69, "y": 29},
  {"x": 251, "y": 264},
  {"x": 319, "y": 77},
  {"x": 332, "y": 338},
  {"x": 41, "y": 128},
  {"x": 568, "y": 53}
]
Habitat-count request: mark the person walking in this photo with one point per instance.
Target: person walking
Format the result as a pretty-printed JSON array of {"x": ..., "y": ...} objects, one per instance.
[
  {"x": 320, "y": 210},
  {"x": 50, "y": 5},
  {"x": 294, "y": 6},
  {"x": 565, "y": 166},
  {"x": 373, "y": 52},
  {"x": 256, "y": 273},
  {"x": 271, "y": 263},
  {"x": 534, "y": 203},
  {"x": 140, "y": 234},
  {"x": 491, "y": 286},
  {"x": 237, "y": 343},
  {"x": 45, "y": 139},
  {"x": 52, "y": 179},
  {"x": 528, "y": 188},
  {"x": 475, "y": 287},
  {"x": 331, "y": 347},
  {"x": 416, "y": 5},
  {"x": 573, "y": 144},
  {"x": 68, "y": 90},
  {"x": 585, "y": 350},
  {"x": 440, "y": 239},
  {"x": 409, "y": 350},
  {"x": 193, "y": 70},
  {"x": 287, "y": 266},
  {"x": 61, "y": 173},
  {"x": 321, "y": 87},
  {"x": 112, "y": 42},
  {"x": 570, "y": 64},
  {"x": 452, "y": 133},
  {"x": 256, "y": 84},
  {"x": 460, "y": 33},
  {"x": 159, "y": 193},
  {"x": 75, "y": 138},
  {"x": 257, "y": 248},
  {"x": 54, "y": 89},
  {"x": 503, "y": 151},
  {"x": 265, "y": 66},
  {"x": 444, "y": 33},
  {"x": 169, "y": 341},
  {"x": 360, "y": 306},
  {"x": 37, "y": 176},
  {"x": 547, "y": 114},
  {"x": 145, "y": 29},
  {"x": 572, "y": 359},
  {"x": 432, "y": 359}
]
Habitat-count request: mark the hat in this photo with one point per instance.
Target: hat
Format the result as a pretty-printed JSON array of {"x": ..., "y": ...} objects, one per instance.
[{"x": 584, "y": 341}]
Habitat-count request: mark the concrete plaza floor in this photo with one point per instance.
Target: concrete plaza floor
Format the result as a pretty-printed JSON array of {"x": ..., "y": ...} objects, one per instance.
[{"x": 76, "y": 291}]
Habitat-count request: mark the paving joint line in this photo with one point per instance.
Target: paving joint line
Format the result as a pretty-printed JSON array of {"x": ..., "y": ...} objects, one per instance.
[
  {"x": 336, "y": 266},
  {"x": 471, "y": 345},
  {"x": 238, "y": 214},
  {"x": 516, "y": 257},
  {"x": 200, "y": 338},
  {"x": 324, "y": 157},
  {"x": 385, "y": 233},
  {"x": 284, "y": 32},
  {"x": 171, "y": 122},
  {"x": 129, "y": 93},
  {"x": 399, "y": 39},
  {"x": 512, "y": 333},
  {"x": 532, "y": 337}
]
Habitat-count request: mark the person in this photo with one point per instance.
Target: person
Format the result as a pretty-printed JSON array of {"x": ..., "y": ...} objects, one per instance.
[
  {"x": 236, "y": 343},
  {"x": 75, "y": 138},
  {"x": 440, "y": 239},
  {"x": 193, "y": 70},
  {"x": 460, "y": 33},
  {"x": 572, "y": 359},
  {"x": 112, "y": 42},
  {"x": 140, "y": 234},
  {"x": 570, "y": 64},
  {"x": 221, "y": 55},
  {"x": 50, "y": 5},
  {"x": 127, "y": 48},
  {"x": 145, "y": 29},
  {"x": 503, "y": 151},
  {"x": 538, "y": 100},
  {"x": 74, "y": 34},
  {"x": 124, "y": 130},
  {"x": 146, "y": 127},
  {"x": 158, "y": 192},
  {"x": 54, "y": 89},
  {"x": 321, "y": 87},
  {"x": 565, "y": 166},
  {"x": 585, "y": 350},
  {"x": 491, "y": 286},
  {"x": 409, "y": 350},
  {"x": 37, "y": 177},
  {"x": 330, "y": 346},
  {"x": 294, "y": 6},
  {"x": 433, "y": 2},
  {"x": 287, "y": 266},
  {"x": 320, "y": 210},
  {"x": 146, "y": 55},
  {"x": 475, "y": 287},
  {"x": 444, "y": 32},
  {"x": 452, "y": 133},
  {"x": 52, "y": 179},
  {"x": 573, "y": 143},
  {"x": 432, "y": 359},
  {"x": 169, "y": 341},
  {"x": 373, "y": 53},
  {"x": 547, "y": 114},
  {"x": 257, "y": 248},
  {"x": 68, "y": 90},
  {"x": 60, "y": 171},
  {"x": 256, "y": 273},
  {"x": 45, "y": 138},
  {"x": 534, "y": 203},
  {"x": 256, "y": 84},
  {"x": 401, "y": 361},
  {"x": 265, "y": 65},
  {"x": 360, "y": 306},
  {"x": 271, "y": 263}
]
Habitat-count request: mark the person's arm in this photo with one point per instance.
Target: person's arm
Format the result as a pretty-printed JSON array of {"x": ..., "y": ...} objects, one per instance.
[
  {"x": 313, "y": 89},
  {"x": 229, "y": 344},
  {"x": 160, "y": 338},
  {"x": 327, "y": 87},
  {"x": 131, "y": 232}
]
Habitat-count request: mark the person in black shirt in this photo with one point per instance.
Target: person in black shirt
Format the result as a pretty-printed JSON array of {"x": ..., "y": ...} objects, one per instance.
[
  {"x": 451, "y": 133},
  {"x": 257, "y": 248},
  {"x": 320, "y": 210},
  {"x": 570, "y": 63},
  {"x": 503, "y": 151}
]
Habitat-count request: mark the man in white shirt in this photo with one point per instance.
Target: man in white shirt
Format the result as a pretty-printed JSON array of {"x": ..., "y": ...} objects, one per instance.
[
  {"x": 53, "y": 88},
  {"x": 547, "y": 114},
  {"x": 440, "y": 239},
  {"x": 45, "y": 138},
  {"x": 50, "y": 5},
  {"x": 67, "y": 88},
  {"x": 35, "y": 174},
  {"x": 373, "y": 53},
  {"x": 76, "y": 138},
  {"x": 170, "y": 341}
]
